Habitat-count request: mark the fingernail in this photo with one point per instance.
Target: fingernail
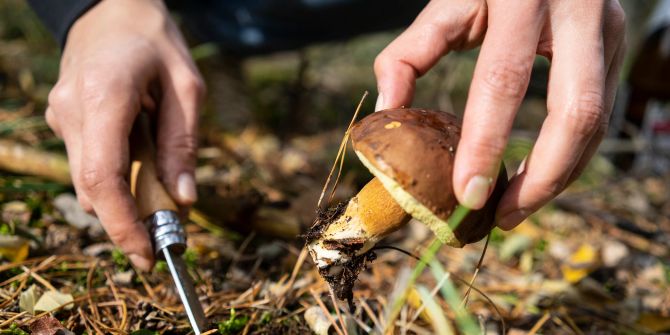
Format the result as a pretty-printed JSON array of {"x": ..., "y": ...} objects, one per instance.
[
  {"x": 512, "y": 219},
  {"x": 186, "y": 188},
  {"x": 140, "y": 262},
  {"x": 380, "y": 102},
  {"x": 522, "y": 167},
  {"x": 476, "y": 192}
]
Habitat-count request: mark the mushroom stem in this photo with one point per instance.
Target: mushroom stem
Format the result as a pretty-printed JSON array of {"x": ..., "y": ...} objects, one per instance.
[{"x": 367, "y": 218}]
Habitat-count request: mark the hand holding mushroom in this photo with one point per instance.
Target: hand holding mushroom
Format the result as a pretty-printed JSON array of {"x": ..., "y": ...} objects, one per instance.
[
  {"x": 411, "y": 154},
  {"x": 584, "y": 40}
]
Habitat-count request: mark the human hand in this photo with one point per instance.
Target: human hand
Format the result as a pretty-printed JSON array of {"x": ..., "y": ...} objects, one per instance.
[
  {"x": 584, "y": 40},
  {"x": 121, "y": 57}
]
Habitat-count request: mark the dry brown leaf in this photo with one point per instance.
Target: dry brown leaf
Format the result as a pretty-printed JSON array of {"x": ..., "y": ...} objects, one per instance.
[{"x": 48, "y": 325}]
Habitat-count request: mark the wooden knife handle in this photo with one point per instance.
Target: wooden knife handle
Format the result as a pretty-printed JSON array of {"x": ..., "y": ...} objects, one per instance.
[{"x": 150, "y": 194}]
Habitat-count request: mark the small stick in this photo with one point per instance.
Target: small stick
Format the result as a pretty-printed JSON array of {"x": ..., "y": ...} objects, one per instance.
[
  {"x": 337, "y": 311},
  {"x": 39, "y": 278},
  {"x": 538, "y": 325},
  {"x": 147, "y": 287},
  {"x": 10, "y": 320},
  {"x": 22, "y": 159},
  {"x": 360, "y": 323},
  {"x": 247, "y": 327},
  {"x": 89, "y": 285},
  {"x": 296, "y": 270},
  {"x": 371, "y": 314},
  {"x": 326, "y": 312}
]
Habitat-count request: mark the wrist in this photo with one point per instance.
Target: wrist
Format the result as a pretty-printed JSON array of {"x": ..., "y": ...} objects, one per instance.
[{"x": 119, "y": 15}]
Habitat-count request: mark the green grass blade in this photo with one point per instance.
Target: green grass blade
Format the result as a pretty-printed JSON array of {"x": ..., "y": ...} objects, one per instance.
[{"x": 437, "y": 316}]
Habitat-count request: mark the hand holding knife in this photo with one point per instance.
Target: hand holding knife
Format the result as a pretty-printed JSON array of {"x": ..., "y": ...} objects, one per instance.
[{"x": 159, "y": 212}]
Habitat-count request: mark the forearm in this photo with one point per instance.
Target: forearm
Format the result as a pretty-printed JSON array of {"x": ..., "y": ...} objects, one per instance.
[{"x": 59, "y": 15}]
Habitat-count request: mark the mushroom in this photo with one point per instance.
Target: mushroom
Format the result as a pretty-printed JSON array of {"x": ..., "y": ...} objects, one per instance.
[{"x": 411, "y": 154}]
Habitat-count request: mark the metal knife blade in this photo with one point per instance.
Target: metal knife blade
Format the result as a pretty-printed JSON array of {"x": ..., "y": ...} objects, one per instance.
[{"x": 186, "y": 290}]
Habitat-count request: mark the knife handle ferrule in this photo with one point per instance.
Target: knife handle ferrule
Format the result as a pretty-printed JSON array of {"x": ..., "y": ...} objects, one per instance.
[{"x": 167, "y": 232}]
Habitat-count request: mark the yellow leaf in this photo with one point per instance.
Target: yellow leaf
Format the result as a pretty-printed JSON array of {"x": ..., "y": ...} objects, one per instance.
[
  {"x": 14, "y": 248},
  {"x": 654, "y": 322},
  {"x": 580, "y": 263},
  {"x": 414, "y": 300}
]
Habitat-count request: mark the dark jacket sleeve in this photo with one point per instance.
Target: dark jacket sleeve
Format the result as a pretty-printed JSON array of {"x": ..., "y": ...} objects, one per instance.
[{"x": 59, "y": 15}]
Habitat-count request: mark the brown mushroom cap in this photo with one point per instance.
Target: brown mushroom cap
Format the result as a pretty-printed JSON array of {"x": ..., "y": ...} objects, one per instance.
[{"x": 412, "y": 152}]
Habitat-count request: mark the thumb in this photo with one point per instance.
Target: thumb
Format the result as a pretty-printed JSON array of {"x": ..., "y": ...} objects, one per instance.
[{"x": 177, "y": 134}]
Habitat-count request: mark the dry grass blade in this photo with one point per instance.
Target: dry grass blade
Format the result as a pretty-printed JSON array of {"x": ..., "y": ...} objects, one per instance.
[
  {"x": 479, "y": 266},
  {"x": 339, "y": 159}
]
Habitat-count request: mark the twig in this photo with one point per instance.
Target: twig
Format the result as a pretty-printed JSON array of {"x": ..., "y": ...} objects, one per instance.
[
  {"x": 296, "y": 269},
  {"x": 326, "y": 312},
  {"x": 39, "y": 278},
  {"x": 337, "y": 312},
  {"x": 538, "y": 325},
  {"x": 10, "y": 320},
  {"x": 371, "y": 314}
]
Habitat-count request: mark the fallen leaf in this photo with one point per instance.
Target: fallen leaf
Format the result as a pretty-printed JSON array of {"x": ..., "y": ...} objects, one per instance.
[
  {"x": 14, "y": 248},
  {"x": 123, "y": 278},
  {"x": 514, "y": 244},
  {"x": 653, "y": 322},
  {"x": 52, "y": 300},
  {"x": 317, "y": 320},
  {"x": 27, "y": 300},
  {"x": 48, "y": 325},
  {"x": 414, "y": 300},
  {"x": 580, "y": 263}
]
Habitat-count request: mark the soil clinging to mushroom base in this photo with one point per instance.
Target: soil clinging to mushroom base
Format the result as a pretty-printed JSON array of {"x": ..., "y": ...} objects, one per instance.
[{"x": 342, "y": 275}]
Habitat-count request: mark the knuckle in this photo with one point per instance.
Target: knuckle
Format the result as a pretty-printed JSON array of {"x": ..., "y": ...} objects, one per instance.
[
  {"x": 60, "y": 95},
  {"x": 94, "y": 180},
  {"x": 381, "y": 62},
  {"x": 617, "y": 15},
  {"x": 586, "y": 114},
  {"x": 120, "y": 237},
  {"x": 192, "y": 86},
  {"x": 50, "y": 119},
  {"x": 507, "y": 79}
]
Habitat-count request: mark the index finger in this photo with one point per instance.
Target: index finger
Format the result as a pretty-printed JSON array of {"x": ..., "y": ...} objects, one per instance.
[
  {"x": 440, "y": 27},
  {"x": 498, "y": 85},
  {"x": 104, "y": 168}
]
